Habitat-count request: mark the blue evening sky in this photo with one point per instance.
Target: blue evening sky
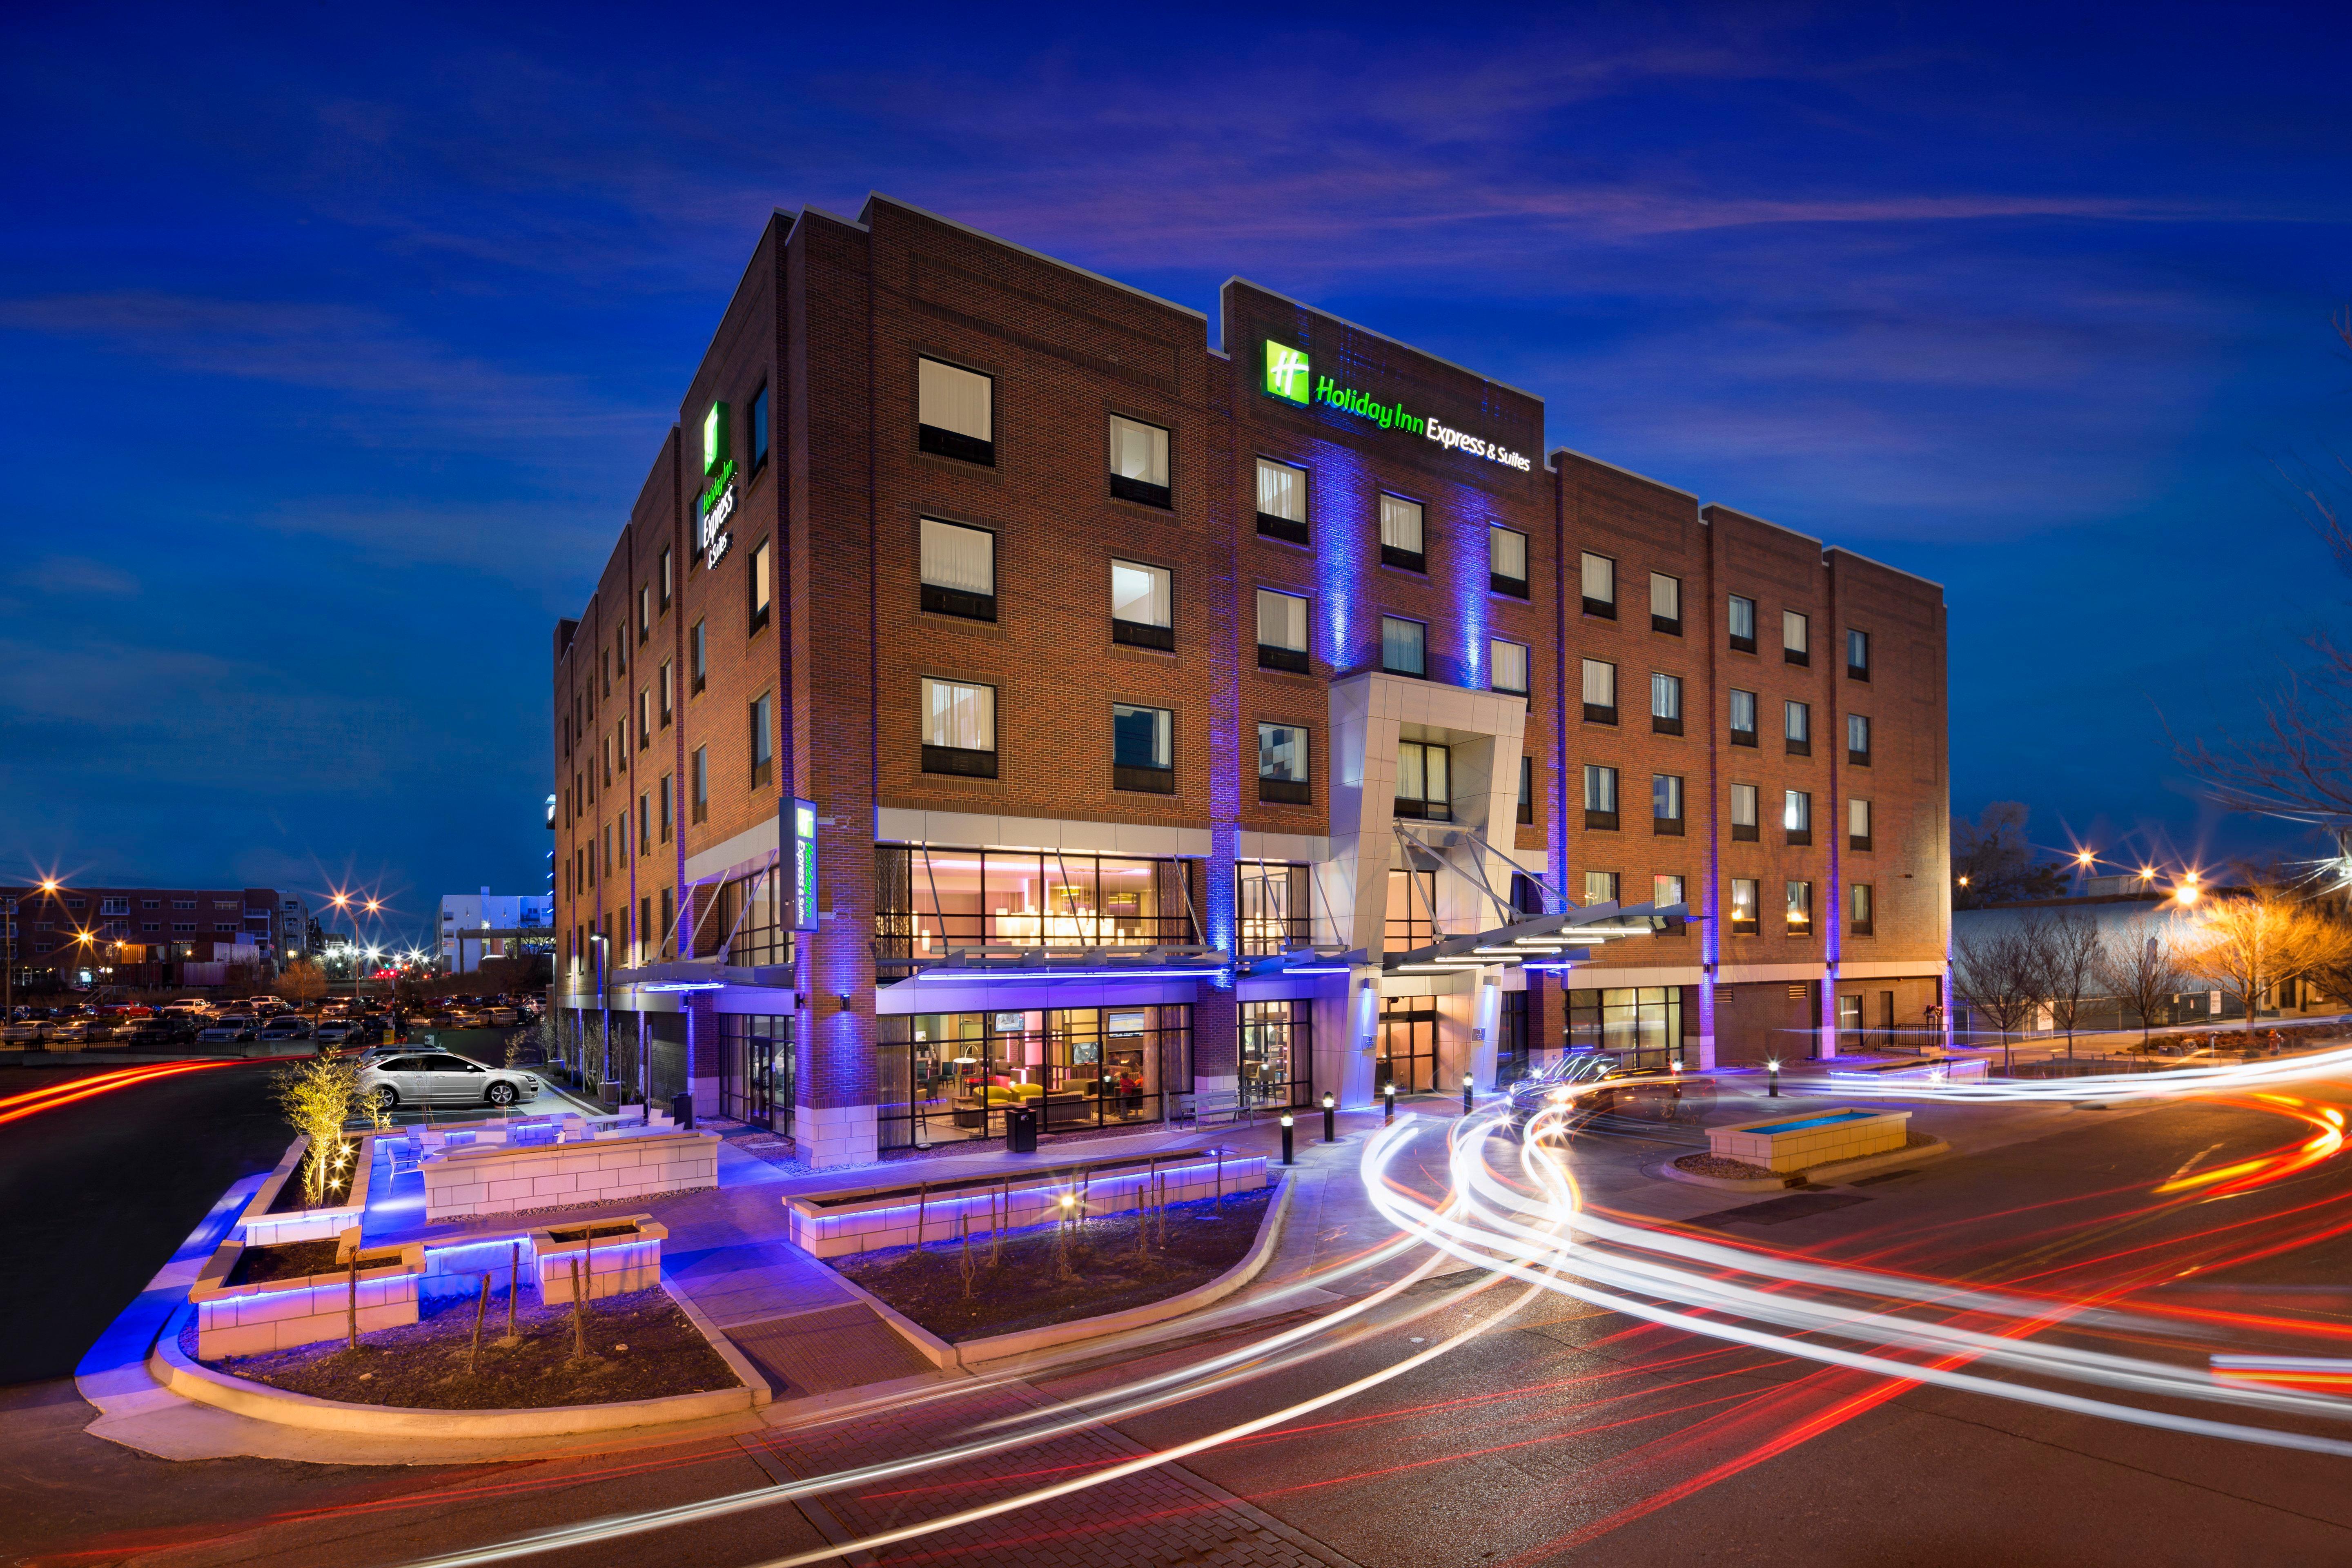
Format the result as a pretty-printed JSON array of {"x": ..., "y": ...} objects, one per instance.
[{"x": 338, "y": 339}]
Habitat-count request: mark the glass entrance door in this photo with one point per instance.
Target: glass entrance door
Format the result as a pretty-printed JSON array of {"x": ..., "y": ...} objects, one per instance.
[
  {"x": 755, "y": 1057},
  {"x": 1408, "y": 1045}
]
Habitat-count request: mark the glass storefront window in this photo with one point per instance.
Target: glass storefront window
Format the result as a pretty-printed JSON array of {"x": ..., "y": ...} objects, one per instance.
[
  {"x": 950, "y": 1077},
  {"x": 1278, "y": 1055},
  {"x": 1274, "y": 907},
  {"x": 1643, "y": 1025},
  {"x": 929, "y": 900}
]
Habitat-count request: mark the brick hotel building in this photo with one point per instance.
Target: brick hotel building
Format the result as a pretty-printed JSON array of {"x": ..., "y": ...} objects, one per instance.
[{"x": 1002, "y": 698}]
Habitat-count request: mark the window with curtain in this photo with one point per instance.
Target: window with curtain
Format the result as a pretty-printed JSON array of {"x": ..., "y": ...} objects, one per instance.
[
  {"x": 1665, "y": 891},
  {"x": 1600, "y": 887},
  {"x": 1666, "y": 604},
  {"x": 1800, "y": 907},
  {"x": 1508, "y": 664},
  {"x": 1281, "y": 631},
  {"x": 959, "y": 728},
  {"x": 1857, "y": 654},
  {"x": 1404, "y": 646},
  {"x": 1599, "y": 789},
  {"x": 1528, "y": 793},
  {"x": 1282, "y": 500},
  {"x": 1857, "y": 823},
  {"x": 956, "y": 413},
  {"x": 1599, "y": 692},
  {"x": 701, "y": 783},
  {"x": 1742, "y": 622},
  {"x": 1795, "y": 634},
  {"x": 1666, "y": 800},
  {"x": 1858, "y": 901},
  {"x": 669, "y": 693},
  {"x": 1282, "y": 764},
  {"x": 1797, "y": 814},
  {"x": 763, "y": 587},
  {"x": 763, "y": 738},
  {"x": 959, "y": 569},
  {"x": 1743, "y": 906},
  {"x": 1666, "y": 704},
  {"x": 1424, "y": 786},
  {"x": 1743, "y": 718},
  {"x": 1144, "y": 748},
  {"x": 1743, "y": 812},
  {"x": 1507, "y": 560},
  {"x": 1600, "y": 577},
  {"x": 1797, "y": 725},
  {"x": 1401, "y": 540},
  {"x": 1857, "y": 740},
  {"x": 1138, "y": 461},
  {"x": 1141, "y": 604}
]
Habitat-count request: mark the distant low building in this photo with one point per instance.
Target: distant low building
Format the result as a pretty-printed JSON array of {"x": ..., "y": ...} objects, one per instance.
[
  {"x": 462, "y": 915},
  {"x": 83, "y": 936}
]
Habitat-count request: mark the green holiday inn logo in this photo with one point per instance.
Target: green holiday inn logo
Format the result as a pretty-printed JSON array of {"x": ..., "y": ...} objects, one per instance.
[{"x": 1285, "y": 373}]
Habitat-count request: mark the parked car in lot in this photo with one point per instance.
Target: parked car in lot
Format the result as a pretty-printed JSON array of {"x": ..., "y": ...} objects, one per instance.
[
  {"x": 503, "y": 1017},
  {"x": 444, "y": 1020},
  {"x": 23, "y": 1031},
  {"x": 436, "y": 1078},
  {"x": 158, "y": 1031},
  {"x": 229, "y": 1027},
  {"x": 286, "y": 1027},
  {"x": 75, "y": 1031},
  {"x": 336, "y": 1032}
]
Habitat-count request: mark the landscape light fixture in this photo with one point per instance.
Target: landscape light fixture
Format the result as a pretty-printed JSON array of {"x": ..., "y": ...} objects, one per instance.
[
  {"x": 1774, "y": 1090},
  {"x": 1330, "y": 1117}
]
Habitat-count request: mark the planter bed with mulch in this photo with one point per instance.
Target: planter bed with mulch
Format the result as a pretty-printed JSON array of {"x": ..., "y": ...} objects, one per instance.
[
  {"x": 1027, "y": 1288},
  {"x": 640, "y": 1346}
]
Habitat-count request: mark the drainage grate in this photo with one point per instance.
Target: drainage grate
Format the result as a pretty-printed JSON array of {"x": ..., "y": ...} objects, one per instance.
[{"x": 1780, "y": 1210}]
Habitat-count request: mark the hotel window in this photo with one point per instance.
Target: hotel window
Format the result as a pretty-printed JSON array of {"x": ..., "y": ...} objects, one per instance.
[
  {"x": 1527, "y": 790},
  {"x": 1600, "y": 797},
  {"x": 1600, "y": 887},
  {"x": 1665, "y": 891},
  {"x": 1797, "y": 816},
  {"x": 764, "y": 740},
  {"x": 1404, "y": 646},
  {"x": 956, "y": 412},
  {"x": 665, "y": 577},
  {"x": 1282, "y": 764},
  {"x": 1600, "y": 585},
  {"x": 1797, "y": 725},
  {"x": 661, "y": 943},
  {"x": 669, "y": 693},
  {"x": 1743, "y": 906},
  {"x": 1281, "y": 631},
  {"x": 1795, "y": 634},
  {"x": 959, "y": 728},
  {"x": 645, "y": 611},
  {"x": 1138, "y": 461},
  {"x": 1858, "y": 909},
  {"x": 1666, "y": 604},
  {"x": 606, "y": 664},
  {"x": 1281, "y": 501},
  {"x": 1666, "y": 803},
  {"x": 1743, "y": 814},
  {"x": 621, "y": 746},
  {"x": 1665, "y": 704},
  {"x": 1857, "y": 740},
  {"x": 1401, "y": 540},
  {"x": 1857, "y": 825},
  {"x": 698, "y": 659},
  {"x": 645, "y": 825},
  {"x": 762, "y": 589},
  {"x": 1508, "y": 667},
  {"x": 701, "y": 783},
  {"x": 1141, "y": 605},
  {"x": 1507, "y": 560},
  {"x": 666, "y": 807},
  {"x": 1599, "y": 692},
  {"x": 1424, "y": 786},
  {"x": 620, "y": 652},
  {"x": 1143, "y": 749},
  {"x": 1857, "y": 655},
  {"x": 759, "y": 429},
  {"x": 1801, "y": 908},
  {"x": 958, "y": 571},
  {"x": 1742, "y": 622},
  {"x": 1743, "y": 718}
]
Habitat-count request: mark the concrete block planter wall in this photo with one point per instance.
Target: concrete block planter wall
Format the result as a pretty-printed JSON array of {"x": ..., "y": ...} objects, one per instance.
[
  {"x": 506, "y": 1179},
  {"x": 833, "y": 1224},
  {"x": 614, "y": 1264},
  {"x": 276, "y": 1314},
  {"x": 259, "y": 1227},
  {"x": 1807, "y": 1139}
]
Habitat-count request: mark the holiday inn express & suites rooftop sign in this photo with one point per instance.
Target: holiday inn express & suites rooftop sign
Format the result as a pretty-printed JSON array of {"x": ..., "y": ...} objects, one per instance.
[{"x": 1289, "y": 377}]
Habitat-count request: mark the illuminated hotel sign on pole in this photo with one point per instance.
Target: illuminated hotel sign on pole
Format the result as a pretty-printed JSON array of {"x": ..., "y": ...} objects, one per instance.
[
  {"x": 1288, "y": 377},
  {"x": 718, "y": 502},
  {"x": 804, "y": 864}
]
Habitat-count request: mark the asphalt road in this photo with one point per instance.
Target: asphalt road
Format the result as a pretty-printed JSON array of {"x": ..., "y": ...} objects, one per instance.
[{"x": 1561, "y": 1434}]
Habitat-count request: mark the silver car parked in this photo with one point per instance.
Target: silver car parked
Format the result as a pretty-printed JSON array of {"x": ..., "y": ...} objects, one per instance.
[{"x": 420, "y": 1078}]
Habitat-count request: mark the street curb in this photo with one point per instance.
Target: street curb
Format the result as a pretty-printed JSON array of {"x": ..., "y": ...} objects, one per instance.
[
  {"x": 172, "y": 1369},
  {"x": 1815, "y": 1176},
  {"x": 998, "y": 1347}
]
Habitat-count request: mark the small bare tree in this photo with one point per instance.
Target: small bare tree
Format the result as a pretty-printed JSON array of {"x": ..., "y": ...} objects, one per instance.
[
  {"x": 2000, "y": 973},
  {"x": 301, "y": 983},
  {"x": 2144, "y": 971},
  {"x": 2070, "y": 949}
]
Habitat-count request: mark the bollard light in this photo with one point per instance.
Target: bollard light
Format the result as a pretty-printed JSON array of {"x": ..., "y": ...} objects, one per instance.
[
  {"x": 1330, "y": 1117},
  {"x": 1466, "y": 1093},
  {"x": 1774, "y": 1092},
  {"x": 1388, "y": 1092},
  {"x": 1287, "y": 1132}
]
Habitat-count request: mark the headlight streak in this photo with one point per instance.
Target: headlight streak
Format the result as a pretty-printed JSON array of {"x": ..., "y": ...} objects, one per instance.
[
  {"x": 2267, "y": 1072},
  {"x": 1243, "y": 1364},
  {"x": 1541, "y": 1254}
]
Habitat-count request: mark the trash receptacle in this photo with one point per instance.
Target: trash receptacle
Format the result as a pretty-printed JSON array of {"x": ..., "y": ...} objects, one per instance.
[
  {"x": 1021, "y": 1130},
  {"x": 681, "y": 1110}
]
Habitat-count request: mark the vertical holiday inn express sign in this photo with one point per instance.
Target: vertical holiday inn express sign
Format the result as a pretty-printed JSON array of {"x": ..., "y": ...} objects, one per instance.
[
  {"x": 718, "y": 502},
  {"x": 1288, "y": 377}
]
